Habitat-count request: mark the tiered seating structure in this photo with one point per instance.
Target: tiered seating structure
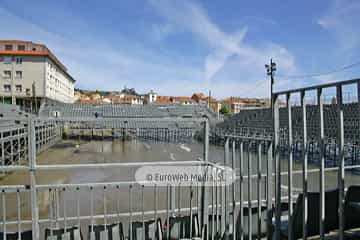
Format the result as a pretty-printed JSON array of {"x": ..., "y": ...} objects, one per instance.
[
  {"x": 87, "y": 110},
  {"x": 261, "y": 119}
]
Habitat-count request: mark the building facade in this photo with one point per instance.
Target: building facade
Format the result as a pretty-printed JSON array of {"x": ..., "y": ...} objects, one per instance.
[
  {"x": 236, "y": 104},
  {"x": 151, "y": 97},
  {"x": 31, "y": 74}
]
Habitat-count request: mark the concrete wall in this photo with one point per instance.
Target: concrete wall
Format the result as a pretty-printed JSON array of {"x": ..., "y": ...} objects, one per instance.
[
  {"x": 50, "y": 81},
  {"x": 59, "y": 86},
  {"x": 32, "y": 68}
]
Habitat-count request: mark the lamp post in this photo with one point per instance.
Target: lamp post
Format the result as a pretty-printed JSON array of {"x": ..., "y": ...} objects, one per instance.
[{"x": 270, "y": 71}]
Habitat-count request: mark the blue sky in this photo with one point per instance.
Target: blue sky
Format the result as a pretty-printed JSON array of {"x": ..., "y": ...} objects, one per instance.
[{"x": 181, "y": 47}]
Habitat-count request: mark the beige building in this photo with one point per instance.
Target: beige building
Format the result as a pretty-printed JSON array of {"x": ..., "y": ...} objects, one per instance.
[
  {"x": 31, "y": 74},
  {"x": 236, "y": 104}
]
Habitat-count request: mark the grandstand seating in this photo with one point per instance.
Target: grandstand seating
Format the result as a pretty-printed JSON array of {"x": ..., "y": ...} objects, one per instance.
[
  {"x": 261, "y": 119},
  {"x": 12, "y": 111},
  {"x": 87, "y": 110},
  {"x": 133, "y": 123}
]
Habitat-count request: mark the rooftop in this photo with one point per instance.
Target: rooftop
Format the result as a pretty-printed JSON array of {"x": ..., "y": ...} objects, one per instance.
[{"x": 43, "y": 51}]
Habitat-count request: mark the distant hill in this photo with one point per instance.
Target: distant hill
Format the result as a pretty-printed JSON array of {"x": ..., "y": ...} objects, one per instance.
[
  {"x": 90, "y": 92},
  {"x": 129, "y": 91}
]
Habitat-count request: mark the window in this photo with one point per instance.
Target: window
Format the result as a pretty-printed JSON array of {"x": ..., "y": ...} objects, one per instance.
[
  {"x": 7, "y": 88},
  {"x": 18, "y": 88},
  {"x": 7, "y": 74},
  {"x": 18, "y": 74},
  {"x": 8, "y": 47},
  {"x": 18, "y": 60},
  {"x": 21, "y": 47},
  {"x": 7, "y": 60},
  {"x": 28, "y": 92}
]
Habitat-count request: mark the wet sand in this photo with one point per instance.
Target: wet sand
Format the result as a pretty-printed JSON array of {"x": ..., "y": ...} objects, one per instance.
[{"x": 117, "y": 200}]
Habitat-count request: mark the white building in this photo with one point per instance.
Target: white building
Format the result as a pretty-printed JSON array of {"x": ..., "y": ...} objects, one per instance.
[
  {"x": 31, "y": 74},
  {"x": 151, "y": 96}
]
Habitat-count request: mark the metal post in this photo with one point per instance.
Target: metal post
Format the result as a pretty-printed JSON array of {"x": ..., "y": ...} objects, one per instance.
[
  {"x": 322, "y": 163},
  {"x": 92, "y": 233},
  {"x": 249, "y": 170},
  {"x": 241, "y": 192},
  {"x": 233, "y": 166},
  {"x": 224, "y": 206},
  {"x": 51, "y": 210},
  {"x": 213, "y": 204},
  {"x": 191, "y": 211},
  {"x": 118, "y": 201},
  {"x": 217, "y": 200},
  {"x": 305, "y": 165},
  {"x": 78, "y": 206},
  {"x": 341, "y": 172},
  {"x": 259, "y": 152},
  {"x": 172, "y": 195},
  {"x": 105, "y": 233},
  {"x": 143, "y": 212},
  {"x": 179, "y": 200},
  {"x": 32, "y": 163},
  {"x": 167, "y": 212},
  {"x": 358, "y": 91},
  {"x": 66, "y": 233},
  {"x": 18, "y": 200},
  {"x": 130, "y": 211},
  {"x": 204, "y": 195},
  {"x": 3, "y": 201},
  {"x": 277, "y": 166},
  {"x": 155, "y": 202},
  {"x": 290, "y": 165}
]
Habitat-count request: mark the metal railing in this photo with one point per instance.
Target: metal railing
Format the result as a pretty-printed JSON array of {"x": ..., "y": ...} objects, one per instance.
[
  {"x": 248, "y": 207},
  {"x": 31, "y": 191},
  {"x": 14, "y": 140},
  {"x": 305, "y": 154}
]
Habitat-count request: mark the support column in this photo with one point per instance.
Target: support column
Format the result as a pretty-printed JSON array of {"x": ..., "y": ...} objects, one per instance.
[
  {"x": 204, "y": 221},
  {"x": 32, "y": 165},
  {"x": 341, "y": 161},
  {"x": 276, "y": 158}
]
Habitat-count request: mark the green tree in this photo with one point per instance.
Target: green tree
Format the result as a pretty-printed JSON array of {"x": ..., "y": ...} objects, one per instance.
[{"x": 224, "y": 110}]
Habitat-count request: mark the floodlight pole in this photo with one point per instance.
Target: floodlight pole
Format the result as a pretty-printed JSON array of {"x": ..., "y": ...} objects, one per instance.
[{"x": 270, "y": 70}]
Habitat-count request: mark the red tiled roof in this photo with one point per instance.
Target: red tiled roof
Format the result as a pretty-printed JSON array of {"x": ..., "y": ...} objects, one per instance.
[
  {"x": 163, "y": 99},
  {"x": 181, "y": 98}
]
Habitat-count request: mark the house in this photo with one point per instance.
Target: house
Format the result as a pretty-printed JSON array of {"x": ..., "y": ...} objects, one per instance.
[
  {"x": 236, "y": 104},
  {"x": 182, "y": 100}
]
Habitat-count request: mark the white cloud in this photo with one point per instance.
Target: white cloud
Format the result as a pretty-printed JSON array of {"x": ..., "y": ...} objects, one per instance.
[
  {"x": 111, "y": 66},
  {"x": 101, "y": 67},
  {"x": 161, "y": 31},
  {"x": 223, "y": 46},
  {"x": 341, "y": 19}
]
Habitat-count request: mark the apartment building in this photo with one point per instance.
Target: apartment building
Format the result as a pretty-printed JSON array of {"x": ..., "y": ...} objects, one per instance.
[
  {"x": 31, "y": 74},
  {"x": 236, "y": 104}
]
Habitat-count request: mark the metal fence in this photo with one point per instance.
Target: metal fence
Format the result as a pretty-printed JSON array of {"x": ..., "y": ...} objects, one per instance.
[
  {"x": 22, "y": 205},
  {"x": 207, "y": 211},
  {"x": 306, "y": 199},
  {"x": 14, "y": 139},
  {"x": 270, "y": 183}
]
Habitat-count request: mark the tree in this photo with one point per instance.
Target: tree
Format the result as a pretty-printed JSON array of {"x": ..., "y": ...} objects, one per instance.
[
  {"x": 130, "y": 91},
  {"x": 224, "y": 110}
]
